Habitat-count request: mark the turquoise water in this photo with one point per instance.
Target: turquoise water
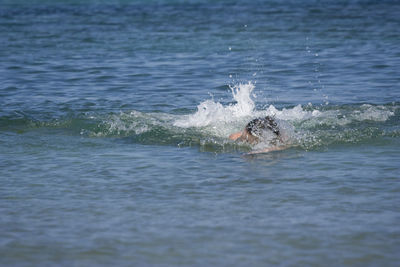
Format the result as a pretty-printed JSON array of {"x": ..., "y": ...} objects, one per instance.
[{"x": 114, "y": 125}]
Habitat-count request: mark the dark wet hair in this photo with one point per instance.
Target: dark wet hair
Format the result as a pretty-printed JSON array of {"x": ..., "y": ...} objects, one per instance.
[{"x": 257, "y": 126}]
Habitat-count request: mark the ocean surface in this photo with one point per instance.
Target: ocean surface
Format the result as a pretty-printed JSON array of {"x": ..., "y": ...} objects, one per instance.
[{"x": 114, "y": 125}]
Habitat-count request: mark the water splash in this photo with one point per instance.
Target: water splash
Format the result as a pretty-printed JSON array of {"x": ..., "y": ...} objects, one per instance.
[
  {"x": 307, "y": 126},
  {"x": 213, "y": 113},
  {"x": 304, "y": 126}
]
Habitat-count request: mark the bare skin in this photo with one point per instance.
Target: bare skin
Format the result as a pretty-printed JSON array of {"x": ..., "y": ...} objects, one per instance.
[
  {"x": 243, "y": 136},
  {"x": 246, "y": 136},
  {"x": 235, "y": 136}
]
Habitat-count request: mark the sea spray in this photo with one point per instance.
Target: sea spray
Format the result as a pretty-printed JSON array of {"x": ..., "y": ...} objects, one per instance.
[
  {"x": 307, "y": 127},
  {"x": 244, "y": 104},
  {"x": 213, "y": 113}
]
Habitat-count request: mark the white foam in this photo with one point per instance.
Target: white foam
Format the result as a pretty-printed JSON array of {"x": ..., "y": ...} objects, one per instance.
[
  {"x": 215, "y": 121},
  {"x": 372, "y": 113},
  {"x": 219, "y": 120},
  {"x": 213, "y": 118},
  {"x": 292, "y": 114},
  {"x": 212, "y": 113}
]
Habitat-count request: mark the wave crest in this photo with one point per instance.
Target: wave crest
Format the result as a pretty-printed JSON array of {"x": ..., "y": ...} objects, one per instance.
[{"x": 306, "y": 126}]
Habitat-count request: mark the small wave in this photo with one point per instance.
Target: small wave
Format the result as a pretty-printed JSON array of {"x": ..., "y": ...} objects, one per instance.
[
  {"x": 131, "y": 123},
  {"x": 305, "y": 126}
]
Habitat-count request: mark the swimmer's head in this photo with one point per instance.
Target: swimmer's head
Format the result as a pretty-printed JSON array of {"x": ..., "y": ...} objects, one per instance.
[
  {"x": 256, "y": 129},
  {"x": 257, "y": 126}
]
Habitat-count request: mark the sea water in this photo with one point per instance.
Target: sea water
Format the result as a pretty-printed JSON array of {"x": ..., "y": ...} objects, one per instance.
[{"x": 114, "y": 125}]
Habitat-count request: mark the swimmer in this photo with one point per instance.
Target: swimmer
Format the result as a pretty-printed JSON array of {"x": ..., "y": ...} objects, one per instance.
[{"x": 254, "y": 131}]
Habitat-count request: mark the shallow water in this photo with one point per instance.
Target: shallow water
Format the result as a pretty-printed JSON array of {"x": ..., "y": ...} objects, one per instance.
[{"x": 114, "y": 118}]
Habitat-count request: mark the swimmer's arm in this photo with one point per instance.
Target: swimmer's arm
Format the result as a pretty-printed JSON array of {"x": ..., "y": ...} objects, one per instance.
[{"x": 235, "y": 136}]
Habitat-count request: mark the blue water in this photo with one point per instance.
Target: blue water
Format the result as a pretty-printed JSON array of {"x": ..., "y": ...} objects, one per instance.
[{"x": 114, "y": 125}]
